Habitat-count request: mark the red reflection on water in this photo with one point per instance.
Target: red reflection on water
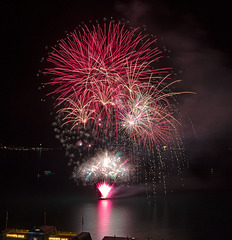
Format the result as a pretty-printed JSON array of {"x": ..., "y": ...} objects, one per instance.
[{"x": 104, "y": 217}]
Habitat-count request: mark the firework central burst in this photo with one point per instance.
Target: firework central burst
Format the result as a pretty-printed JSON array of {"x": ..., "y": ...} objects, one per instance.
[
  {"x": 104, "y": 188},
  {"x": 108, "y": 86},
  {"x": 104, "y": 166}
]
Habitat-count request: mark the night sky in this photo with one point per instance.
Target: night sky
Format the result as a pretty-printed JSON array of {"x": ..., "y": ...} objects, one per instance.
[{"x": 198, "y": 33}]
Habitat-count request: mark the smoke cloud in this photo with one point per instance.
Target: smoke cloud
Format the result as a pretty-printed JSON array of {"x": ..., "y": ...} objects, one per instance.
[{"x": 202, "y": 64}]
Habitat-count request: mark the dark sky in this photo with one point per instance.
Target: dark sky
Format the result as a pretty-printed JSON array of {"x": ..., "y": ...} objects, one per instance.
[{"x": 198, "y": 33}]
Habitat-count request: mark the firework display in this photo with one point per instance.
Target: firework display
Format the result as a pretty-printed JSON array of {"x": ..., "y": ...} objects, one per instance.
[
  {"x": 105, "y": 78},
  {"x": 104, "y": 166},
  {"x": 112, "y": 94}
]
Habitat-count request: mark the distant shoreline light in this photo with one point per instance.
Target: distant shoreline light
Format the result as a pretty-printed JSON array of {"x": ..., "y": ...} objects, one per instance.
[{"x": 21, "y": 148}]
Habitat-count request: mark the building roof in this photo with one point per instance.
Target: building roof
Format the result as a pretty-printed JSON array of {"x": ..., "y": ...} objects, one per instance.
[
  {"x": 83, "y": 236},
  {"x": 14, "y": 230},
  {"x": 44, "y": 229}
]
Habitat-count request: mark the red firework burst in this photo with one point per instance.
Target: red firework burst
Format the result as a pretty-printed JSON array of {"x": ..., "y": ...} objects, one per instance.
[{"x": 98, "y": 71}]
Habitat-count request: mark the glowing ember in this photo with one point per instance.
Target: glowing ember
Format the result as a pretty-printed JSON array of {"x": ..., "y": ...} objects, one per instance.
[{"x": 104, "y": 188}]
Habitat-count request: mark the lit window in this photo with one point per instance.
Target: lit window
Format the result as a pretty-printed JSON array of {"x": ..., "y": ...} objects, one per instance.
[{"x": 15, "y": 235}]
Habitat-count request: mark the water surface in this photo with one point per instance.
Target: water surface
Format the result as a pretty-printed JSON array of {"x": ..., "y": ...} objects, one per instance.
[{"x": 179, "y": 216}]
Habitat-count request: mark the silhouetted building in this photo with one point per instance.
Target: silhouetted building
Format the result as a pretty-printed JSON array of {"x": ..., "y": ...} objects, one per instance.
[{"x": 83, "y": 236}]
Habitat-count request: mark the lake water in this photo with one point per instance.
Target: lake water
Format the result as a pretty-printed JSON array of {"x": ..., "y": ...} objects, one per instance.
[
  {"x": 179, "y": 216},
  {"x": 187, "y": 215}
]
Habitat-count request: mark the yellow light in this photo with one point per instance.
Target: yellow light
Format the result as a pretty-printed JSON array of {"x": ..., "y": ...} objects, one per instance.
[{"x": 15, "y": 235}]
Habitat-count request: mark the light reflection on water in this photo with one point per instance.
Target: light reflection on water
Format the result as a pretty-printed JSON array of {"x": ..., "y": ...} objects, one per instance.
[
  {"x": 134, "y": 217},
  {"x": 174, "y": 217},
  {"x": 103, "y": 219}
]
